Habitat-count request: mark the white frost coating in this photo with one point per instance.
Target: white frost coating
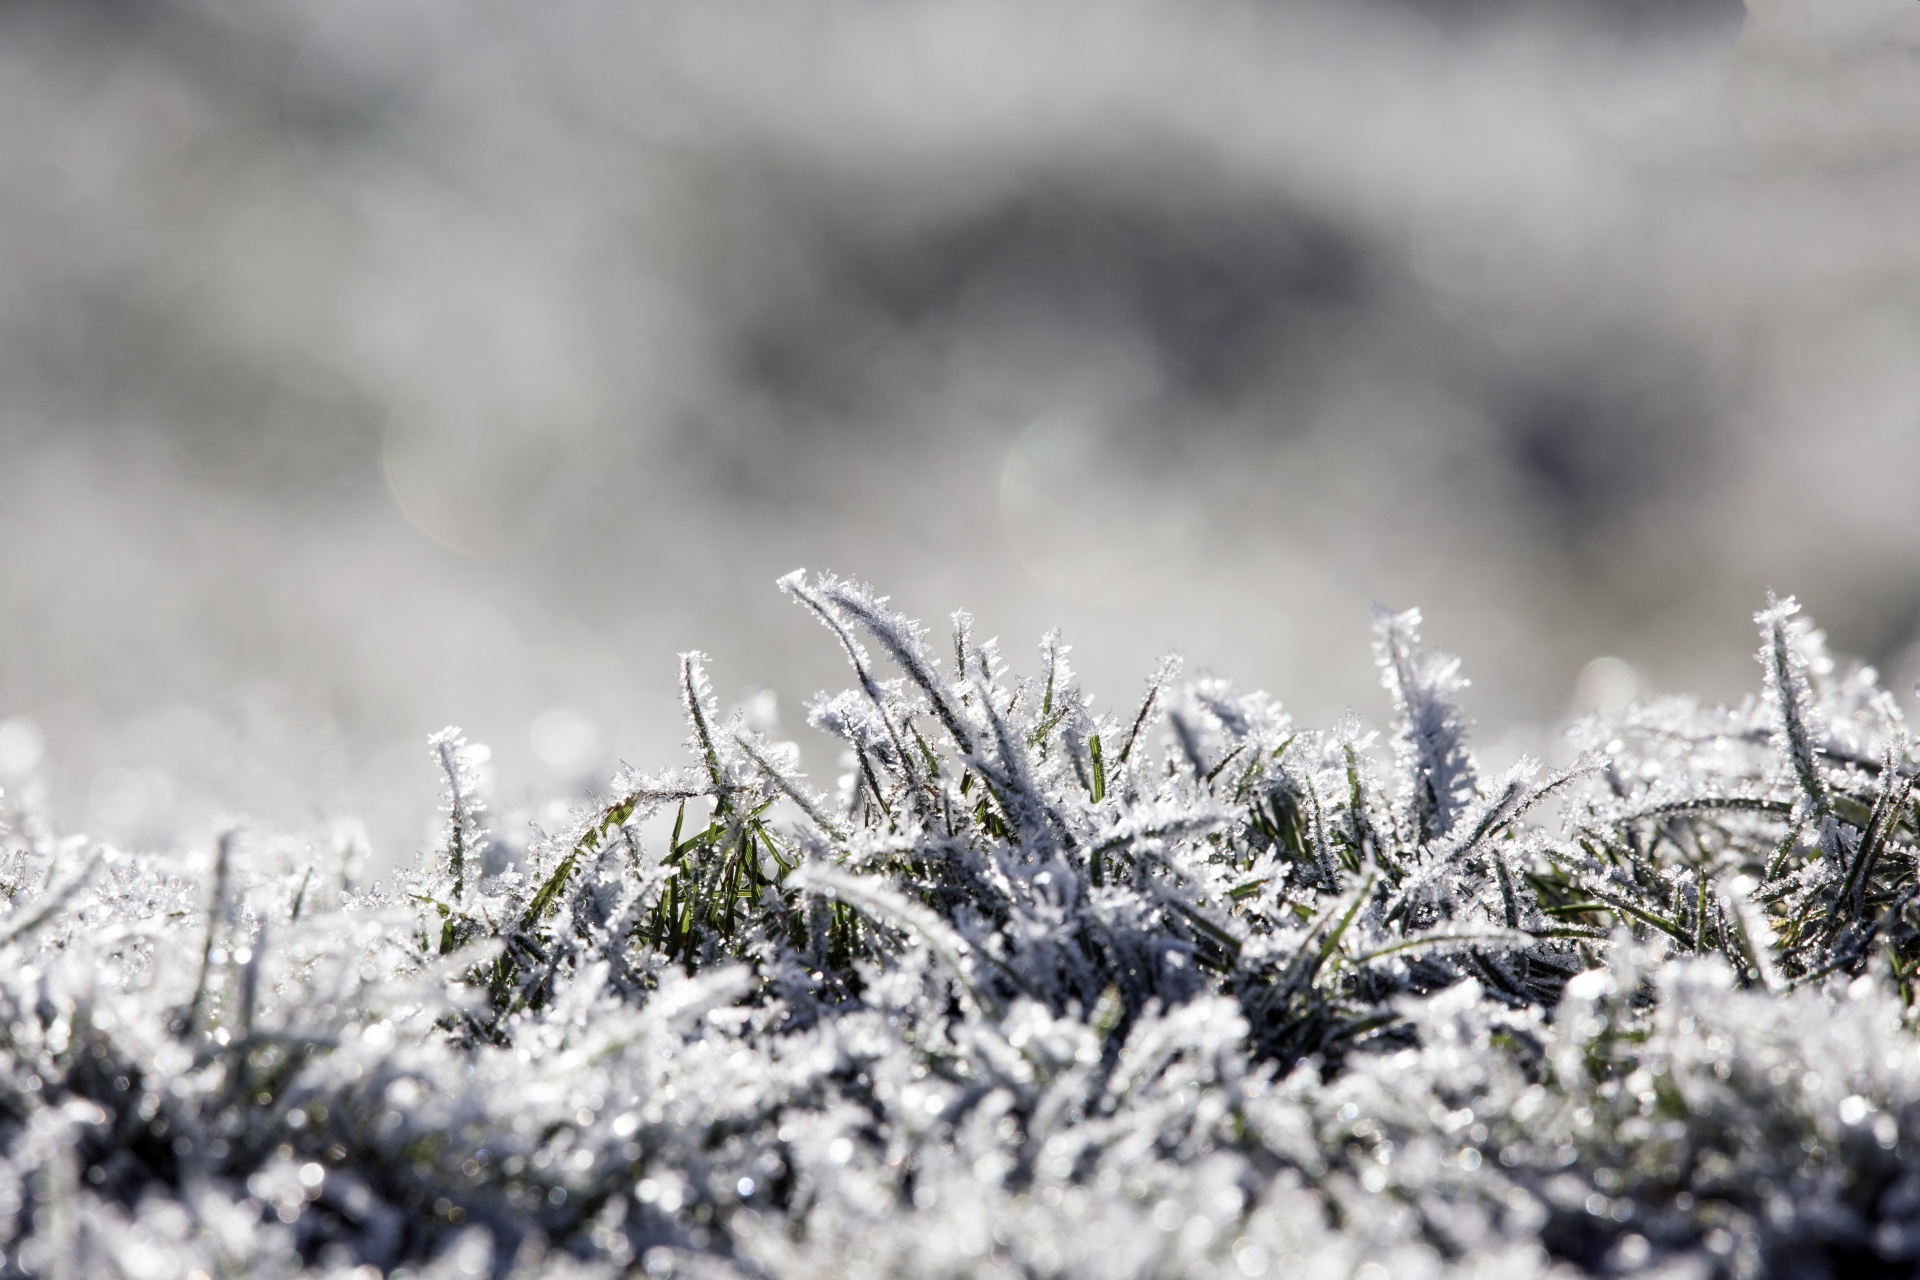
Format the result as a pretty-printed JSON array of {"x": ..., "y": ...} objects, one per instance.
[
  {"x": 1430, "y": 736},
  {"x": 1790, "y": 651},
  {"x": 1185, "y": 993}
]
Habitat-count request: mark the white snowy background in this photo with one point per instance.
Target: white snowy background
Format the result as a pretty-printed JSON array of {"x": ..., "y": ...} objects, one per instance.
[{"x": 370, "y": 366}]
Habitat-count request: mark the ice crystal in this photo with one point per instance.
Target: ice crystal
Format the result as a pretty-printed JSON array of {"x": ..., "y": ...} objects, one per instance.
[{"x": 1186, "y": 990}]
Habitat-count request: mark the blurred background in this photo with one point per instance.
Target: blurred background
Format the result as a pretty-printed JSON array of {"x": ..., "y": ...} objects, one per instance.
[{"x": 370, "y": 366}]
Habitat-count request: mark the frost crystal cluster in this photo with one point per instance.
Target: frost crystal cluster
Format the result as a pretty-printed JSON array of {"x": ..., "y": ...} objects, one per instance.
[{"x": 1039, "y": 990}]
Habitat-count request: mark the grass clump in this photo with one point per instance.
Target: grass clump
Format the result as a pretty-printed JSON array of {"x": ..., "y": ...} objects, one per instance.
[{"x": 1187, "y": 990}]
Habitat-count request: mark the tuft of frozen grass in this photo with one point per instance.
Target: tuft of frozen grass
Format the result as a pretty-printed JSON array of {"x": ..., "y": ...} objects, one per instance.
[{"x": 1182, "y": 989}]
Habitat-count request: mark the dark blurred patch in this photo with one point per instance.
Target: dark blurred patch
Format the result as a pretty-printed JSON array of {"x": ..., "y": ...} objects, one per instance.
[
  {"x": 1595, "y": 445},
  {"x": 1648, "y": 16},
  {"x": 297, "y": 435},
  {"x": 394, "y": 101},
  {"x": 1210, "y": 290}
]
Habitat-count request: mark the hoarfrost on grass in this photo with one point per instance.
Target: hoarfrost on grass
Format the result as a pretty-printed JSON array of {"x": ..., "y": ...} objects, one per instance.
[{"x": 1182, "y": 989}]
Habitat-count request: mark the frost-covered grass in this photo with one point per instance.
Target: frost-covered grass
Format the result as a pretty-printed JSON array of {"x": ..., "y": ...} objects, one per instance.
[{"x": 1183, "y": 991}]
